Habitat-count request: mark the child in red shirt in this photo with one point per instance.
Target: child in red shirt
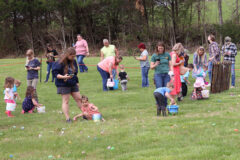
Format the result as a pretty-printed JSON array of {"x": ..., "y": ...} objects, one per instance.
[{"x": 88, "y": 110}]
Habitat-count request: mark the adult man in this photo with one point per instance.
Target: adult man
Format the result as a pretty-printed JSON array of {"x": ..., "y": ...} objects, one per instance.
[
  {"x": 214, "y": 54},
  {"x": 229, "y": 51}
]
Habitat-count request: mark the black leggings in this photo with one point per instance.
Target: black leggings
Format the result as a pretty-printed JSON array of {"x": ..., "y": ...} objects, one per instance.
[
  {"x": 161, "y": 101},
  {"x": 184, "y": 89}
]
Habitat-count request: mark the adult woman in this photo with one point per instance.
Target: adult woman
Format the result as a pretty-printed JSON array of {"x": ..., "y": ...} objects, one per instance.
[
  {"x": 161, "y": 63},
  {"x": 65, "y": 70},
  {"x": 32, "y": 67},
  {"x": 144, "y": 63},
  {"x": 81, "y": 47},
  {"x": 105, "y": 68},
  {"x": 200, "y": 59},
  {"x": 176, "y": 62}
]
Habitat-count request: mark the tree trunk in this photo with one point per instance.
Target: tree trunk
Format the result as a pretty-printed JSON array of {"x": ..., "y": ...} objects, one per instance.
[
  {"x": 237, "y": 13},
  {"x": 199, "y": 13},
  {"x": 220, "y": 18}
]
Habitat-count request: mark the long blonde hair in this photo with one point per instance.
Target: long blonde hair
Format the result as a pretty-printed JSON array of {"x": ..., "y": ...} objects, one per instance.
[
  {"x": 178, "y": 48},
  {"x": 200, "y": 59}
]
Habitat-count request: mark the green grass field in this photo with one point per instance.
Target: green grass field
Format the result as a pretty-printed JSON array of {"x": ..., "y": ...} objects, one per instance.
[{"x": 202, "y": 129}]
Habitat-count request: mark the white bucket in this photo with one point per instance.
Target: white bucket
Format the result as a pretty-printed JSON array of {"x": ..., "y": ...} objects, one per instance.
[
  {"x": 41, "y": 109},
  {"x": 205, "y": 93}
]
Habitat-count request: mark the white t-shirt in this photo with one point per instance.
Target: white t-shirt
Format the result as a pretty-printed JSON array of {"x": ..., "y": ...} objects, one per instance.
[{"x": 10, "y": 92}]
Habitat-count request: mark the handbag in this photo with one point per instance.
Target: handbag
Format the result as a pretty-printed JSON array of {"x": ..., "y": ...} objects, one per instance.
[{"x": 110, "y": 83}]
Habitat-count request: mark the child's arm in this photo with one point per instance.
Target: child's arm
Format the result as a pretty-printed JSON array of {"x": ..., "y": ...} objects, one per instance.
[
  {"x": 77, "y": 116},
  {"x": 35, "y": 103},
  {"x": 169, "y": 97},
  {"x": 17, "y": 95},
  {"x": 7, "y": 94},
  {"x": 94, "y": 108},
  {"x": 127, "y": 78}
]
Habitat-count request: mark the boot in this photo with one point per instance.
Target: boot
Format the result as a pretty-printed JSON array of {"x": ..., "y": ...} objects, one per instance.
[
  {"x": 164, "y": 113},
  {"x": 158, "y": 112},
  {"x": 9, "y": 114}
]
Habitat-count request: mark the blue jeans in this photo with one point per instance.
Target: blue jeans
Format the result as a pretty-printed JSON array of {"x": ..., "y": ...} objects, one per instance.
[
  {"x": 161, "y": 79},
  {"x": 82, "y": 66},
  {"x": 210, "y": 66},
  {"x": 105, "y": 75},
  {"x": 49, "y": 67},
  {"x": 233, "y": 74},
  {"x": 145, "y": 82},
  {"x": 114, "y": 72}
]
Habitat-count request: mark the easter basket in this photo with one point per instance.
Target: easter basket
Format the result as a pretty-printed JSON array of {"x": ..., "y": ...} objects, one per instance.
[{"x": 172, "y": 109}]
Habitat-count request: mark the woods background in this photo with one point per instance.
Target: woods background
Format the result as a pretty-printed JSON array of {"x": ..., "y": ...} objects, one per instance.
[{"x": 33, "y": 23}]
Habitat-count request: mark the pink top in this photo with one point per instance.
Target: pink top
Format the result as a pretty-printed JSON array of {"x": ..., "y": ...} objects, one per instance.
[
  {"x": 104, "y": 64},
  {"x": 81, "y": 47},
  {"x": 90, "y": 111}
]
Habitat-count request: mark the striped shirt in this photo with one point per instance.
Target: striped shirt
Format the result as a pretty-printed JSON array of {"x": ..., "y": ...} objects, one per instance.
[{"x": 232, "y": 48}]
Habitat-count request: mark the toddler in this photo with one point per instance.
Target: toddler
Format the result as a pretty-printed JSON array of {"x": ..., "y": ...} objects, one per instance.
[
  {"x": 185, "y": 81},
  {"x": 88, "y": 110},
  {"x": 123, "y": 77},
  {"x": 9, "y": 96},
  {"x": 17, "y": 84},
  {"x": 29, "y": 103},
  {"x": 161, "y": 94}
]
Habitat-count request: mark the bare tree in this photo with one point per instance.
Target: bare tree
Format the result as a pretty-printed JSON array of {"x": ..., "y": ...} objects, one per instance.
[
  {"x": 237, "y": 13},
  {"x": 220, "y": 18}
]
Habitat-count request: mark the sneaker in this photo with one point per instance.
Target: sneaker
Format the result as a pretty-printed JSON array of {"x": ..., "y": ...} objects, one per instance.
[
  {"x": 232, "y": 87},
  {"x": 179, "y": 99},
  {"x": 69, "y": 120},
  {"x": 45, "y": 81},
  {"x": 22, "y": 112}
]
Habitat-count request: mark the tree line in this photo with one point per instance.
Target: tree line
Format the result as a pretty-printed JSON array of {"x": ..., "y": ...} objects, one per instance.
[{"x": 33, "y": 23}]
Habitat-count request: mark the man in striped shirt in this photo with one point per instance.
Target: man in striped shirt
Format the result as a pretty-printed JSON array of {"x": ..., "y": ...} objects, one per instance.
[{"x": 229, "y": 52}]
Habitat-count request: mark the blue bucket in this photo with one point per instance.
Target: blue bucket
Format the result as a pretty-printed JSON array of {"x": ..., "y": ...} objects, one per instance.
[
  {"x": 116, "y": 81},
  {"x": 172, "y": 109},
  {"x": 96, "y": 117}
]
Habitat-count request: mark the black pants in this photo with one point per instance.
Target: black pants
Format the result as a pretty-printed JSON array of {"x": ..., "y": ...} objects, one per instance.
[
  {"x": 184, "y": 89},
  {"x": 161, "y": 101}
]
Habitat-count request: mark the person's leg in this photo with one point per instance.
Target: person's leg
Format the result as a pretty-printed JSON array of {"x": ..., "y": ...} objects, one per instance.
[
  {"x": 166, "y": 79},
  {"x": 210, "y": 65},
  {"x": 157, "y": 103},
  {"x": 144, "y": 79},
  {"x": 84, "y": 67},
  {"x": 77, "y": 97},
  {"x": 105, "y": 77},
  {"x": 49, "y": 66},
  {"x": 29, "y": 82},
  {"x": 79, "y": 59},
  {"x": 65, "y": 106},
  {"x": 233, "y": 74},
  {"x": 147, "y": 81},
  {"x": 158, "y": 80},
  {"x": 50, "y": 70},
  {"x": 184, "y": 89}
]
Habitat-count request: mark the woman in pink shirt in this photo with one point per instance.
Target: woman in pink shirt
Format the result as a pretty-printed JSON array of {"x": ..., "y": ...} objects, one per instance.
[
  {"x": 105, "y": 68},
  {"x": 81, "y": 48}
]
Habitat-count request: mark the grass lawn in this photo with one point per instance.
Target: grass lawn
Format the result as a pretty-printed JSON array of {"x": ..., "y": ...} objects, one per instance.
[{"x": 202, "y": 129}]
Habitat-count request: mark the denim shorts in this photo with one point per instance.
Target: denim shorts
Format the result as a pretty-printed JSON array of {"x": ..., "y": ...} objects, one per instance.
[{"x": 67, "y": 90}]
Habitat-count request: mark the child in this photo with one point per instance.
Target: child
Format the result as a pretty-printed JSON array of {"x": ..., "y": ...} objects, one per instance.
[
  {"x": 199, "y": 85},
  {"x": 185, "y": 81},
  {"x": 88, "y": 110},
  {"x": 161, "y": 94},
  {"x": 123, "y": 77},
  {"x": 9, "y": 96},
  {"x": 29, "y": 103},
  {"x": 17, "y": 84}
]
